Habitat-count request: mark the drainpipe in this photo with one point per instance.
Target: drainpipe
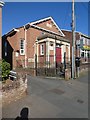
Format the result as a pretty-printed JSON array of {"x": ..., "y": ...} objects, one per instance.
[
  {"x": 25, "y": 47},
  {"x": 36, "y": 57},
  {"x": 55, "y": 58}
]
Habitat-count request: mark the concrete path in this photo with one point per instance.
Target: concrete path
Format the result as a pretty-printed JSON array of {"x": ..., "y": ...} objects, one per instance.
[{"x": 52, "y": 98}]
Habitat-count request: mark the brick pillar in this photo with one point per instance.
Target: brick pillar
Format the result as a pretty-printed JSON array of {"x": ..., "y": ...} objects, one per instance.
[{"x": 1, "y": 5}]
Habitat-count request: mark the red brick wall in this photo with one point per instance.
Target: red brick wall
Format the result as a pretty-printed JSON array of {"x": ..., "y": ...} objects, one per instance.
[
  {"x": 68, "y": 35},
  {"x": 0, "y": 32},
  {"x": 51, "y": 56},
  {"x": 42, "y": 58},
  {"x": 31, "y": 37},
  {"x": 14, "y": 41},
  {"x": 53, "y": 28}
]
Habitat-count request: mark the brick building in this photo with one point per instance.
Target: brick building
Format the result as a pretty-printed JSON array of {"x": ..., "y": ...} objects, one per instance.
[
  {"x": 41, "y": 41},
  {"x": 1, "y": 5},
  {"x": 82, "y": 45}
]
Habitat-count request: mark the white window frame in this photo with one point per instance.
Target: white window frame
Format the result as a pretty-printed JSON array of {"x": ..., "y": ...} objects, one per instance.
[
  {"x": 51, "y": 46},
  {"x": 22, "y": 50},
  {"x": 83, "y": 54},
  {"x": 84, "y": 41},
  {"x": 42, "y": 50}
]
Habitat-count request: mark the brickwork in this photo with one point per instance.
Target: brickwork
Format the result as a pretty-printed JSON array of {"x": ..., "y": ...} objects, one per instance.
[
  {"x": 46, "y": 25},
  {"x": 68, "y": 35},
  {"x": 0, "y": 32},
  {"x": 30, "y": 36}
]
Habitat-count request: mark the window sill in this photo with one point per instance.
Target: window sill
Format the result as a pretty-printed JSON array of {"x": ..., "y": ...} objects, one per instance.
[
  {"x": 42, "y": 55},
  {"x": 22, "y": 54}
]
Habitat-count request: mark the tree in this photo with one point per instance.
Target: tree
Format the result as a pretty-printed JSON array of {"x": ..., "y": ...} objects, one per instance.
[{"x": 5, "y": 69}]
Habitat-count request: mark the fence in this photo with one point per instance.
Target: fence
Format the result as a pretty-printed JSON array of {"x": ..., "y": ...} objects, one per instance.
[
  {"x": 47, "y": 66},
  {"x": 44, "y": 65}
]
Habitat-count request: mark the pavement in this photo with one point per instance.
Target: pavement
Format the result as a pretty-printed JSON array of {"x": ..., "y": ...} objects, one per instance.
[{"x": 52, "y": 98}]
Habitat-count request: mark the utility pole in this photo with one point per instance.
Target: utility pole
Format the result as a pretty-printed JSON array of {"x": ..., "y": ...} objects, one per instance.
[{"x": 73, "y": 41}]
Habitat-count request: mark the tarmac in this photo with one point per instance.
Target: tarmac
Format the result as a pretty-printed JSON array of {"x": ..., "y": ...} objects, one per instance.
[{"x": 52, "y": 98}]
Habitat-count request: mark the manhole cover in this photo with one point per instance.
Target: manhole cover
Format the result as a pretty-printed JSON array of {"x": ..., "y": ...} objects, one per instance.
[
  {"x": 80, "y": 101},
  {"x": 57, "y": 91}
]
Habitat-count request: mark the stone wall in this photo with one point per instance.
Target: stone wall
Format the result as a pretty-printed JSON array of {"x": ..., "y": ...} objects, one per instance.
[
  {"x": 84, "y": 67},
  {"x": 14, "y": 90}
]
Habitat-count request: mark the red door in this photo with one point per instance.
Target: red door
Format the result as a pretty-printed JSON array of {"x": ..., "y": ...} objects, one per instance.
[{"x": 58, "y": 55}]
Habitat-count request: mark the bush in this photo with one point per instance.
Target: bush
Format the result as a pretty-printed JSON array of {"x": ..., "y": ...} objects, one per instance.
[{"x": 5, "y": 68}]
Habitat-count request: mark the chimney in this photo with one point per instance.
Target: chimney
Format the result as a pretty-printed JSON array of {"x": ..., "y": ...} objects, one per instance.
[{"x": 1, "y": 5}]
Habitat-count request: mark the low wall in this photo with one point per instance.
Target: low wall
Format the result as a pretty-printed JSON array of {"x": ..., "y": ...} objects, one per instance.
[
  {"x": 13, "y": 90},
  {"x": 83, "y": 68},
  {"x": 29, "y": 71},
  {"x": 51, "y": 71}
]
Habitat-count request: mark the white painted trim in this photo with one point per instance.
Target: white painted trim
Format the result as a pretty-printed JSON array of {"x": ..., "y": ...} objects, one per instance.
[
  {"x": 45, "y": 29},
  {"x": 1, "y": 3},
  {"x": 81, "y": 34},
  {"x": 52, "y": 40},
  {"x": 41, "y": 20},
  {"x": 22, "y": 49},
  {"x": 16, "y": 30},
  {"x": 42, "y": 44},
  {"x": 47, "y": 51},
  {"x": 37, "y": 50},
  {"x": 69, "y": 30},
  {"x": 54, "y": 51},
  {"x": 43, "y": 40},
  {"x": 57, "y": 27},
  {"x": 62, "y": 53},
  {"x": 38, "y": 21}
]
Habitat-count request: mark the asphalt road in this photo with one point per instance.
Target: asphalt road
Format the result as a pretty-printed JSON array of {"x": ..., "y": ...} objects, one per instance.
[{"x": 52, "y": 98}]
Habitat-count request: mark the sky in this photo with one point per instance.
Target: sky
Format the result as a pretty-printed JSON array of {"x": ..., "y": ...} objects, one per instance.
[{"x": 16, "y": 14}]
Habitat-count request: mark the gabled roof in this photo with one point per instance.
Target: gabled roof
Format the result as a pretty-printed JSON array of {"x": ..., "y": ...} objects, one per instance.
[
  {"x": 41, "y": 20},
  {"x": 45, "y": 19},
  {"x": 53, "y": 36},
  {"x": 76, "y": 32},
  {"x": 12, "y": 31},
  {"x": 1, "y": 3},
  {"x": 43, "y": 29},
  {"x": 34, "y": 24}
]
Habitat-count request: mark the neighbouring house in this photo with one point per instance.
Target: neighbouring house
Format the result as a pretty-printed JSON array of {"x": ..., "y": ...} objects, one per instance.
[
  {"x": 40, "y": 43},
  {"x": 1, "y": 5},
  {"x": 82, "y": 45}
]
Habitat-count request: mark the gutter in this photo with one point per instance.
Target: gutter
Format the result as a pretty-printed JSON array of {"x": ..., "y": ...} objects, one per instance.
[{"x": 12, "y": 31}]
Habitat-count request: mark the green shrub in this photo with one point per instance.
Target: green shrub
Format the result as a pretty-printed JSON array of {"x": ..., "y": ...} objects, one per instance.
[{"x": 5, "y": 68}]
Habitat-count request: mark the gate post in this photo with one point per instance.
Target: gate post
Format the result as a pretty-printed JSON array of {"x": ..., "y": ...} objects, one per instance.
[
  {"x": 64, "y": 61},
  {"x": 35, "y": 65}
]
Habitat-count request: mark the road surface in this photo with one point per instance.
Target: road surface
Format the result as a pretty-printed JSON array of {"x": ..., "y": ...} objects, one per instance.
[{"x": 52, "y": 98}]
